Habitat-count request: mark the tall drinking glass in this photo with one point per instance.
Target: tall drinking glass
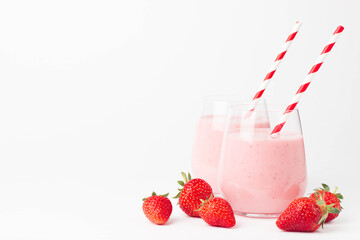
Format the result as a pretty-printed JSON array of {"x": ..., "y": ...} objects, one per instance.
[
  {"x": 258, "y": 174},
  {"x": 209, "y": 136}
]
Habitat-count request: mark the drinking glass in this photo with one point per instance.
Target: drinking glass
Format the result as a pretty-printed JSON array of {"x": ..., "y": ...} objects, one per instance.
[
  {"x": 209, "y": 136},
  {"x": 260, "y": 174}
]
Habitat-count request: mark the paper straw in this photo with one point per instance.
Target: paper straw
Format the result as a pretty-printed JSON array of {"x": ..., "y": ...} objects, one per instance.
[
  {"x": 274, "y": 66},
  {"x": 306, "y": 82}
]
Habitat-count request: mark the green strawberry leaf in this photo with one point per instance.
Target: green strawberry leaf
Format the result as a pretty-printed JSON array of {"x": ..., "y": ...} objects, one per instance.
[
  {"x": 177, "y": 195},
  {"x": 184, "y": 177},
  {"x": 339, "y": 196},
  {"x": 181, "y": 183},
  {"x": 154, "y": 194},
  {"x": 331, "y": 205},
  {"x": 322, "y": 219},
  {"x": 326, "y": 187},
  {"x": 165, "y": 195},
  {"x": 317, "y": 195},
  {"x": 334, "y": 210}
]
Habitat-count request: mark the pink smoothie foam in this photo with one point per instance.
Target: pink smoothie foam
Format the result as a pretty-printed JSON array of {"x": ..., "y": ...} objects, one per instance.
[
  {"x": 261, "y": 174},
  {"x": 207, "y": 147}
]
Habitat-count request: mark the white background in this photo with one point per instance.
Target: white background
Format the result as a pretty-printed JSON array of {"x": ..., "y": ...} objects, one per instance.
[{"x": 99, "y": 102}]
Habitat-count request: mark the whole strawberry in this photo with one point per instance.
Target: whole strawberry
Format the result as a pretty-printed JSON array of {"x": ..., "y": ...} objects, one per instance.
[
  {"x": 217, "y": 212},
  {"x": 157, "y": 208},
  {"x": 304, "y": 215},
  {"x": 190, "y": 196},
  {"x": 331, "y": 199}
]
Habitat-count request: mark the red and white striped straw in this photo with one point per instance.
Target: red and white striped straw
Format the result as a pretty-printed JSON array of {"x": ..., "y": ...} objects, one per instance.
[
  {"x": 306, "y": 82},
  {"x": 274, "y": 66}
]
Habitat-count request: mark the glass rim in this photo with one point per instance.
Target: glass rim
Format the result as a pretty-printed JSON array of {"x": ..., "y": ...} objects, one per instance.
[
  {"x": 269, "y": 108},
  {"x": 227, "y": 98},
  {"x": 222, "y": 97}
]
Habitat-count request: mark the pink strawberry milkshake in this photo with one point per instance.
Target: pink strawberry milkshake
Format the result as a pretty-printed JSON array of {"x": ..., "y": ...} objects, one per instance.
[
  {"x": 259, "y": 174},
  {"x": 207, "y": 146}
]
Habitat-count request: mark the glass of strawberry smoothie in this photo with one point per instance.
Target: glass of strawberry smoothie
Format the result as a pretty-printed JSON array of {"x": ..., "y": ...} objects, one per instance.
[
  {"x": 209, "y": 136},
  {"x": 259, "y": 174}
]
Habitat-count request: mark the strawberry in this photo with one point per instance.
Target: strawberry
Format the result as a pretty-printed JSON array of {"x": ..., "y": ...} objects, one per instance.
[
  {"x": 331, "y": 199},
  {"x": 190, "y": 196},
  {"x": 157, "y": 208},
  {"x": 304, "y": 215},
  {"x": 217, "y": 212}
]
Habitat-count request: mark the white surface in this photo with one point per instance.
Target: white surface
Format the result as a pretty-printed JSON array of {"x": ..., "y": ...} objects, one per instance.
[{"x": 99, "y": 101}]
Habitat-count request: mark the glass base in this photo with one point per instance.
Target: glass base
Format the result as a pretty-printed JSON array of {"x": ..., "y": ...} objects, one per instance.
[{"x": 258, "y": 215}]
